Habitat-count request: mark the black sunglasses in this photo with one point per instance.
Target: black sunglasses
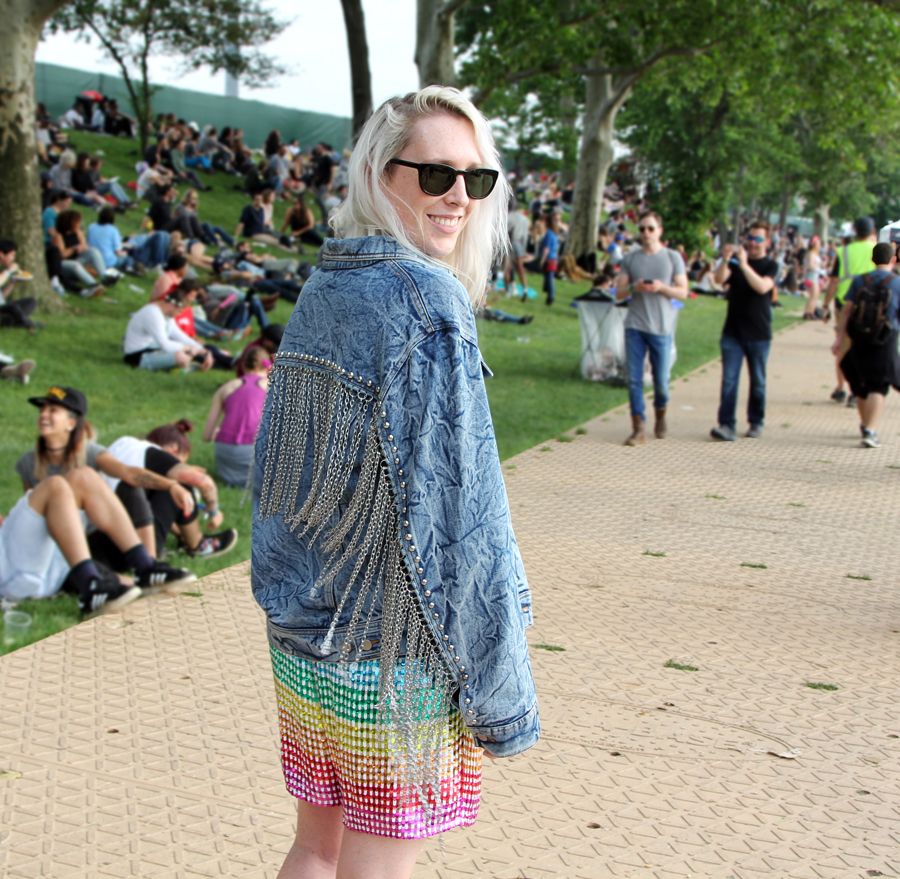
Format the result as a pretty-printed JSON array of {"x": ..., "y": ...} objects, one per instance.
[{"x": 437, "y": 179}]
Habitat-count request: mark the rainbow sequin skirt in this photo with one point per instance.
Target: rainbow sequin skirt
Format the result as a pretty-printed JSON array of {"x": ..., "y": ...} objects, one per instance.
[{"x": 334, "y": 753}]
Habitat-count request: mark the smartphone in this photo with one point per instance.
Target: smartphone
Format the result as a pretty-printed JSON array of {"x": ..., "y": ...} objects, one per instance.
[{"x": 648, "y": 280}]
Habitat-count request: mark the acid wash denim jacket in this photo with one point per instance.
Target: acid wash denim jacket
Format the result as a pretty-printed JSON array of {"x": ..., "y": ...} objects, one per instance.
[{"x": 382, "y": 527}]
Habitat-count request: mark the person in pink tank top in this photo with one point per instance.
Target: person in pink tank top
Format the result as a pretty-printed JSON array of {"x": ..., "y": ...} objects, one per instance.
[{"x": 234, "y": 417}]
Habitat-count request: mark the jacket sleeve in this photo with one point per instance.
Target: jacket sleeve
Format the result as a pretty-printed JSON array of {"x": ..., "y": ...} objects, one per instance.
[{"x": 459, "y": 518}]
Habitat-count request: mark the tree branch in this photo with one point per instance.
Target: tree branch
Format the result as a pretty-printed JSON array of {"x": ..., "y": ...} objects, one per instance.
[
  {"x": 448, "y": 7},
  {"x": 647, "y": 63}
]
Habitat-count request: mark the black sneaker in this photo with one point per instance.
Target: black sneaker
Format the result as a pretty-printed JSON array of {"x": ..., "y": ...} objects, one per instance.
[
  {"x": 163, "y": 576},
  {"x": 215, "y": 544},
  {"x": 851, "y": 401},
  {"x": 838, "y": 395},
  {"x": 105, "y": 594}
]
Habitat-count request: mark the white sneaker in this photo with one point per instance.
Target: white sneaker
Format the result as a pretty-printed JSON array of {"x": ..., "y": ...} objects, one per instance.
[
  {"x": 18, "y": 372},
  {"x": 6, "y": 360},
  {"x": 58, "y": 287}
]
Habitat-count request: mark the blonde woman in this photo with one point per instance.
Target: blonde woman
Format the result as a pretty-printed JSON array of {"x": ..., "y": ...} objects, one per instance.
[
  {"x": 812, "y": 274},
  {"x": 397, "y": 623}
]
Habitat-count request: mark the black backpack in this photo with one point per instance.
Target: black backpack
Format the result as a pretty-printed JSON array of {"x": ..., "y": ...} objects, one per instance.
[{"x": 869, "y": 319}]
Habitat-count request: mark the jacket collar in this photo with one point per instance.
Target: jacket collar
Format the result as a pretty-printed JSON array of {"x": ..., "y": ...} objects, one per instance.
[{"x": 351, "y": 253}]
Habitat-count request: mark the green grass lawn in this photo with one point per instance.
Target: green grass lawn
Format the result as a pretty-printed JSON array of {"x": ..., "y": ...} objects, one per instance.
[{"x": 536, "y": 394}]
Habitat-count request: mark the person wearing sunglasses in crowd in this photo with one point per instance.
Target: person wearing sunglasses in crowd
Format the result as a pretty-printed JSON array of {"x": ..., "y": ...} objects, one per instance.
[
  {"x": 750, "y": 275},
  {"x": 652, "y": 275},
  {"x": 397, "y": 624}
]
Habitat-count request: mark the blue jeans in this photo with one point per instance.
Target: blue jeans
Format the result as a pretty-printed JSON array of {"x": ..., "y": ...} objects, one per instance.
[
  {"x": 213, "y": 231},
  {"x": 637, "y": 343},
  {"x": 115, "y": 190},
  {"x": 733, "y": 353},
  {"x": 550, "y": 286},
  {"x": 151, "y": 250},
  {"x": 199, "y": 161}
]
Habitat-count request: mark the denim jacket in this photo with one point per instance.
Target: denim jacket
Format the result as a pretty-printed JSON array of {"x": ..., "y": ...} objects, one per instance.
[{"x": 382, "y": 524}]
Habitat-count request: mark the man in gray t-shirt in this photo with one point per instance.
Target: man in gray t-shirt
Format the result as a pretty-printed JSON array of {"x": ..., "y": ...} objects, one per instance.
[
  {"x": 652, "y": 276},
  {"x": 519, "y": 229}
]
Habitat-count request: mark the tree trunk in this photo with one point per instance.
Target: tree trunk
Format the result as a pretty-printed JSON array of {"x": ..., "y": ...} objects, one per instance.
[
  {"x": 786, "y": 197},
  {"x": 20, "y": 191},
  {"x": 603, "y": 99},
  {"x": 360, "y": 76},
  {"x": 434, "y": 42},
  {"x": 569, "y": 118},
  {"x": 736, "y": 213},
  {"x": 821, "y": 222}
]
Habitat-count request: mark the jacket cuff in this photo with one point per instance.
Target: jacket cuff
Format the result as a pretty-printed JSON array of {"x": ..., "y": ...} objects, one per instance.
[{"x": 511, "y": 738}]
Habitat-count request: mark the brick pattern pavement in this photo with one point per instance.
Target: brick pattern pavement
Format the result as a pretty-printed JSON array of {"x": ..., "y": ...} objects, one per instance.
[{"x": 144, "y": 744}]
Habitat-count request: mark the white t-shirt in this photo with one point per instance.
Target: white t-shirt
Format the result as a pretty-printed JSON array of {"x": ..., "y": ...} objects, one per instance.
[
  {"x": 150, "y": 330},
  {"x": 131, "y": 452}
]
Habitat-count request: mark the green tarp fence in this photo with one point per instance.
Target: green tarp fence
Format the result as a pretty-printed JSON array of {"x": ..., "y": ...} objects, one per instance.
[{"x": 58, "y": 86}]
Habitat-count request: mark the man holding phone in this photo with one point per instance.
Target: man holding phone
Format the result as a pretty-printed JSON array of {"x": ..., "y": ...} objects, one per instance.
[
  {"x": 652, "y": 276},
  {"x": 747, "y": 333}
]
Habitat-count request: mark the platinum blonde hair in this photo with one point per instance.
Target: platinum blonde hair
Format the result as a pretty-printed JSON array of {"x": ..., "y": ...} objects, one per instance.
[{"x": 368, "y": 210}]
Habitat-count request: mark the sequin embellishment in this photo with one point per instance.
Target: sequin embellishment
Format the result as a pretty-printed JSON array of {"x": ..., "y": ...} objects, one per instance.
[{"x": 335, "y": 753}]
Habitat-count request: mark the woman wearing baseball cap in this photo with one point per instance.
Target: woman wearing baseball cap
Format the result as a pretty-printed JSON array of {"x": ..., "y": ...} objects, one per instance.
[{"x": 65, "y": 443}]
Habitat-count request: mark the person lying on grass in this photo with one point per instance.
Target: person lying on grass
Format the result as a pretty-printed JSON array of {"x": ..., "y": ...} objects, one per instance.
[{"x": 43, "y": 547}]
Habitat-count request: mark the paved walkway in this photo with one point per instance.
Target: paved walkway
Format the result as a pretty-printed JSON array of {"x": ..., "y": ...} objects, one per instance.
[{"x": 144, "y": 745}]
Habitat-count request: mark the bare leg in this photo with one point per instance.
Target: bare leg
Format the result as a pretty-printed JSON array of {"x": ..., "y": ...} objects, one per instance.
[
  {"x": 520, "y": 269},
  {"x": 364, "y": 856},
  {"x": 870, "y": 409},
  {"x": 191, "y": 534},
  {"x": 813, "y": 298},
  {"x": 147, "y": 534},
  {"x": 55, "y": 501},
  {"x": 325, "y": 849},
  {"x": 317, "y": 845},
  {"x": 104, "y": 509}
]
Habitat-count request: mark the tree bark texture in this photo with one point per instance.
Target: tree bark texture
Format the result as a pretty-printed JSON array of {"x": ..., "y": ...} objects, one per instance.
[
  {"x": 20, "y": 191},
  {"x": 360, "y": 75},
  {"x": 821, "y": 222},
  {"x": 786, "y": 198},
  {"x": 434, "y": 43},
  {"x": 603, "y": 100}
]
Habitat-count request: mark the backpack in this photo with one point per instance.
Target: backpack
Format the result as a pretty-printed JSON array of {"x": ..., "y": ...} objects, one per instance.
[{"x": 869, "y": 319}]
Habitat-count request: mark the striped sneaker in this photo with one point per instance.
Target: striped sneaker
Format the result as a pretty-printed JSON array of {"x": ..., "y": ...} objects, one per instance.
[
  {"x": 105, "y": 594},
  {"x": 163, "y": 576}
]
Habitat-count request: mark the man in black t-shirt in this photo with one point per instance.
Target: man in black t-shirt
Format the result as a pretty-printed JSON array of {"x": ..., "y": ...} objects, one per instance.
[{"x": 748, "y": 329}]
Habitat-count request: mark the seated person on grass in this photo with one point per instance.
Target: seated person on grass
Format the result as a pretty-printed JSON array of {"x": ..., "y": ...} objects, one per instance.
[
  {"x": 234, "y": 417},
  {"x": 63, "y": 449},
  {"x": 15, "y": 313},
  {"x": 186, "y": 321},
  {"x": 176, "y": 271},
  {"x": 81, "y": 263},
  {"x": 43, "y": 547},
  {"x": 153, "y": 341},
  {"x": 269, "y": 340},
  {"x": 65, "y": 441},
  {"x": 108, "y": 187},
  {"x": 165, "y": 451},
  {"x": 252, "y": 224}
]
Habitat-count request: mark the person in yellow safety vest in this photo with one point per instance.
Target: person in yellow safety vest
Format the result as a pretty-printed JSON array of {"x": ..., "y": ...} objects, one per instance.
[{"x": 851, "y": 260}]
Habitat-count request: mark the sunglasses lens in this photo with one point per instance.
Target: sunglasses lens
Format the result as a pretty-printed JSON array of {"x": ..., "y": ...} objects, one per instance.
[
  {"x": 480, "y": 182},
  {"x": 436, "y": 179}
]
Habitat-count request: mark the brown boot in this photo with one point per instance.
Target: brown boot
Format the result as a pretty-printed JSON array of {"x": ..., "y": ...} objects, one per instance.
[
  {"x": 637, "y": 437},
  {"x": 661, "y": 427}
]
